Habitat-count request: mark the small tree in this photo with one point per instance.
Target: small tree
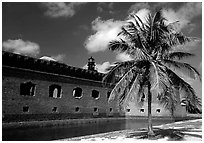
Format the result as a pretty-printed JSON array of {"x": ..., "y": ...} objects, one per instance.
[{"x": 151, "y": 46}]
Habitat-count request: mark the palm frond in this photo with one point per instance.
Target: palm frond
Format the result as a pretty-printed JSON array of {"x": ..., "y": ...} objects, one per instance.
[
  {"x": 125, "y": 98},
  {"x": 137, "y": 21},
  {"x": 119, "y": 45},
  {"x": 178, "y": 38},
  {"x": 189, "y": 93},
  {"x": 178, "y": 55},
  {"x": 192, "y": 108},
  {"x": 138, "y": 54},
  {"x": 158, "y": 78},
  {"x": 169, "y": 99},
  {"x": 114, "y": 72},
  {"x": 120, "y": 87},
  {"x": 192, "y": 72},
  {"x": 130, "y": 92},
  {"x": 142, "y": 85}
]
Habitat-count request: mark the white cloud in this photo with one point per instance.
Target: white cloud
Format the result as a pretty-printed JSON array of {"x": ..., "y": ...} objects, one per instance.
[
  {"x": 105, "y": 7},
  {"x": 59, "y": 57},
  {"x": 21, "y": 47},
  {"x": 200, "y": 66},
  {"x": 105, "y": 31},
  {"x": 61, "y": 9},
  {"x": 138, "y": 6},
  {"x": 189, "y": 46},
  {"x": 184, "y": 14},
  {"x": 123, "y": 57},
  {"x": 100, "y": 67}
]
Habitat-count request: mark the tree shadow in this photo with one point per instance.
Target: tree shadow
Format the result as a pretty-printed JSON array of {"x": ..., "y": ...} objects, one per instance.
[{"x": 172, "y": 134}]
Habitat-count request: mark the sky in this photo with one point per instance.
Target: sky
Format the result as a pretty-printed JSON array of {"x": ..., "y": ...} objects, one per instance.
[{"x": 73, "y": 32}]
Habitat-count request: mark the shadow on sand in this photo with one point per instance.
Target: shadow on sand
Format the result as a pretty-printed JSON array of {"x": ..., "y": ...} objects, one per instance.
[{"x": 171, "y": 134}]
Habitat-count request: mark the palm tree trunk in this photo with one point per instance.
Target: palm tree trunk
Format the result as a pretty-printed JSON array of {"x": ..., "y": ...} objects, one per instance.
[{"x": 150, "y": 130}]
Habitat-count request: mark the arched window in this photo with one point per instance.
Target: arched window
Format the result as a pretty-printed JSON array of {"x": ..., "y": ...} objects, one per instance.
[
  {"x": 143, "y": 97},
  {"x": 95, "y": 109},
  {"x": 158, "y": 110},
  {"x": 77, "y": 92},
  {"x": 142, "y": 110},
  {"x": 55, "y": 91},
  {"x": 108, "y": 94},
  {"x": 95, "y": 94},
  {"x": 27, "y": 89}
]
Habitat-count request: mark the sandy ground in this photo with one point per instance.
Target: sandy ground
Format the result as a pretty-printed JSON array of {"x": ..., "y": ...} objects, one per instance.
[{"x": 190, "y": 130}]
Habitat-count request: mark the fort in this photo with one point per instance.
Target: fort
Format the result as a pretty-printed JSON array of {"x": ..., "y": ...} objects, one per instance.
[{"x": 40, "y": 90}]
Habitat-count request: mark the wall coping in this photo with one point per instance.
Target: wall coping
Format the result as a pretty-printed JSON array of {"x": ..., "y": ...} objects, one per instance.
[{"x": 30, "y": 63}]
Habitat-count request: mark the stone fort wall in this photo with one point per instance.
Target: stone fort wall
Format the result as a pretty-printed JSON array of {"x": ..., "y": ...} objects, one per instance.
[
  {"x": 41, "y": 104},
  {"x": 34, "y": 89}
]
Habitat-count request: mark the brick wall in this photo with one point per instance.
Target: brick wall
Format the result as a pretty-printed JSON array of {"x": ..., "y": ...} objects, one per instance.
[{"x": 42, "y": 105}]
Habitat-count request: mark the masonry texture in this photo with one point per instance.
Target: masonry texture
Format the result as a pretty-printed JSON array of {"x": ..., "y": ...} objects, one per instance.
[{"x": 37, "y": 89}]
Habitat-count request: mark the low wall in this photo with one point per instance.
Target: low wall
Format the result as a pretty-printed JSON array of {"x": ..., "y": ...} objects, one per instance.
[
  {"x": 7, "y": 118},
  {"x": 50, "y": 123},
  {"x": 73, "y": 122}
]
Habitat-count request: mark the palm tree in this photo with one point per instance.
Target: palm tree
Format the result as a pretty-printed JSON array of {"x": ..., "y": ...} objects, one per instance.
[{"x": 151, "y": 44}]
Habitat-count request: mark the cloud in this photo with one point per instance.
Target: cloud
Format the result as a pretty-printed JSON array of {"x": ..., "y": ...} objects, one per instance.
[
  {"x": 105, "y": 31},
  {"x": 100, "y": 67},
  {"x": 123, "y": 57},
  {"x": 184, "y": 14},
  {"x": 138, "y": 6},
  {"x": 142, "y": 14},
  {"x": 61, "y": 9},
  {"x": 200, "y": 66},
  {"x": 105, "y": 7},
  {"x": 59, "y": 57},
  {"x": 189, "y": 46},
  {"x": 21, "y": 47}
]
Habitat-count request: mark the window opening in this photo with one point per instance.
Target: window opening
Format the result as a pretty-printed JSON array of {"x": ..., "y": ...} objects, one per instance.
[
  {"x": 128, "y": 110},
  {"x": 95, "y": 94},
  {"x": 143, "y": 97},
  {"x": 142, "y": 110},
  {"x": 158, "y": 110},
  {"x": 108, "y": 94},
  {"x": 77, "y": 109},
  {"x": 95, "y": 109},
  {"x": 77, "y": 92},
  {"x": 55, "y": 91},
  {"x": 25, "y": 109},
  {"x": 27, "y": 89},
  {"x": 119, "y": 90},
  {"x": 54, "y": 109}
]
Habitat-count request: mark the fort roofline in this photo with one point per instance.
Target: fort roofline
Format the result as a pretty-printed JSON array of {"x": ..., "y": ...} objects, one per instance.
[{"x": 26, "y": 62}]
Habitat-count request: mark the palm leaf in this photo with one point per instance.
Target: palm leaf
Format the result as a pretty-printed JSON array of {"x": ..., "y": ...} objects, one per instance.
[
  {"x": 131, "y": 92},
  {"x": 137, "y": 20},
  {"x": 169, "y": 99},
  {"x": 188, "y": 91},
  {"x": 121, "y": 85},
  {"x": 112, "y": 75},
  {"x": 159, "y": 79},
  {"x": 119, "y": 45},
  {"x": 178, "y": 55},
  {"x": 192, "y": 72}
]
